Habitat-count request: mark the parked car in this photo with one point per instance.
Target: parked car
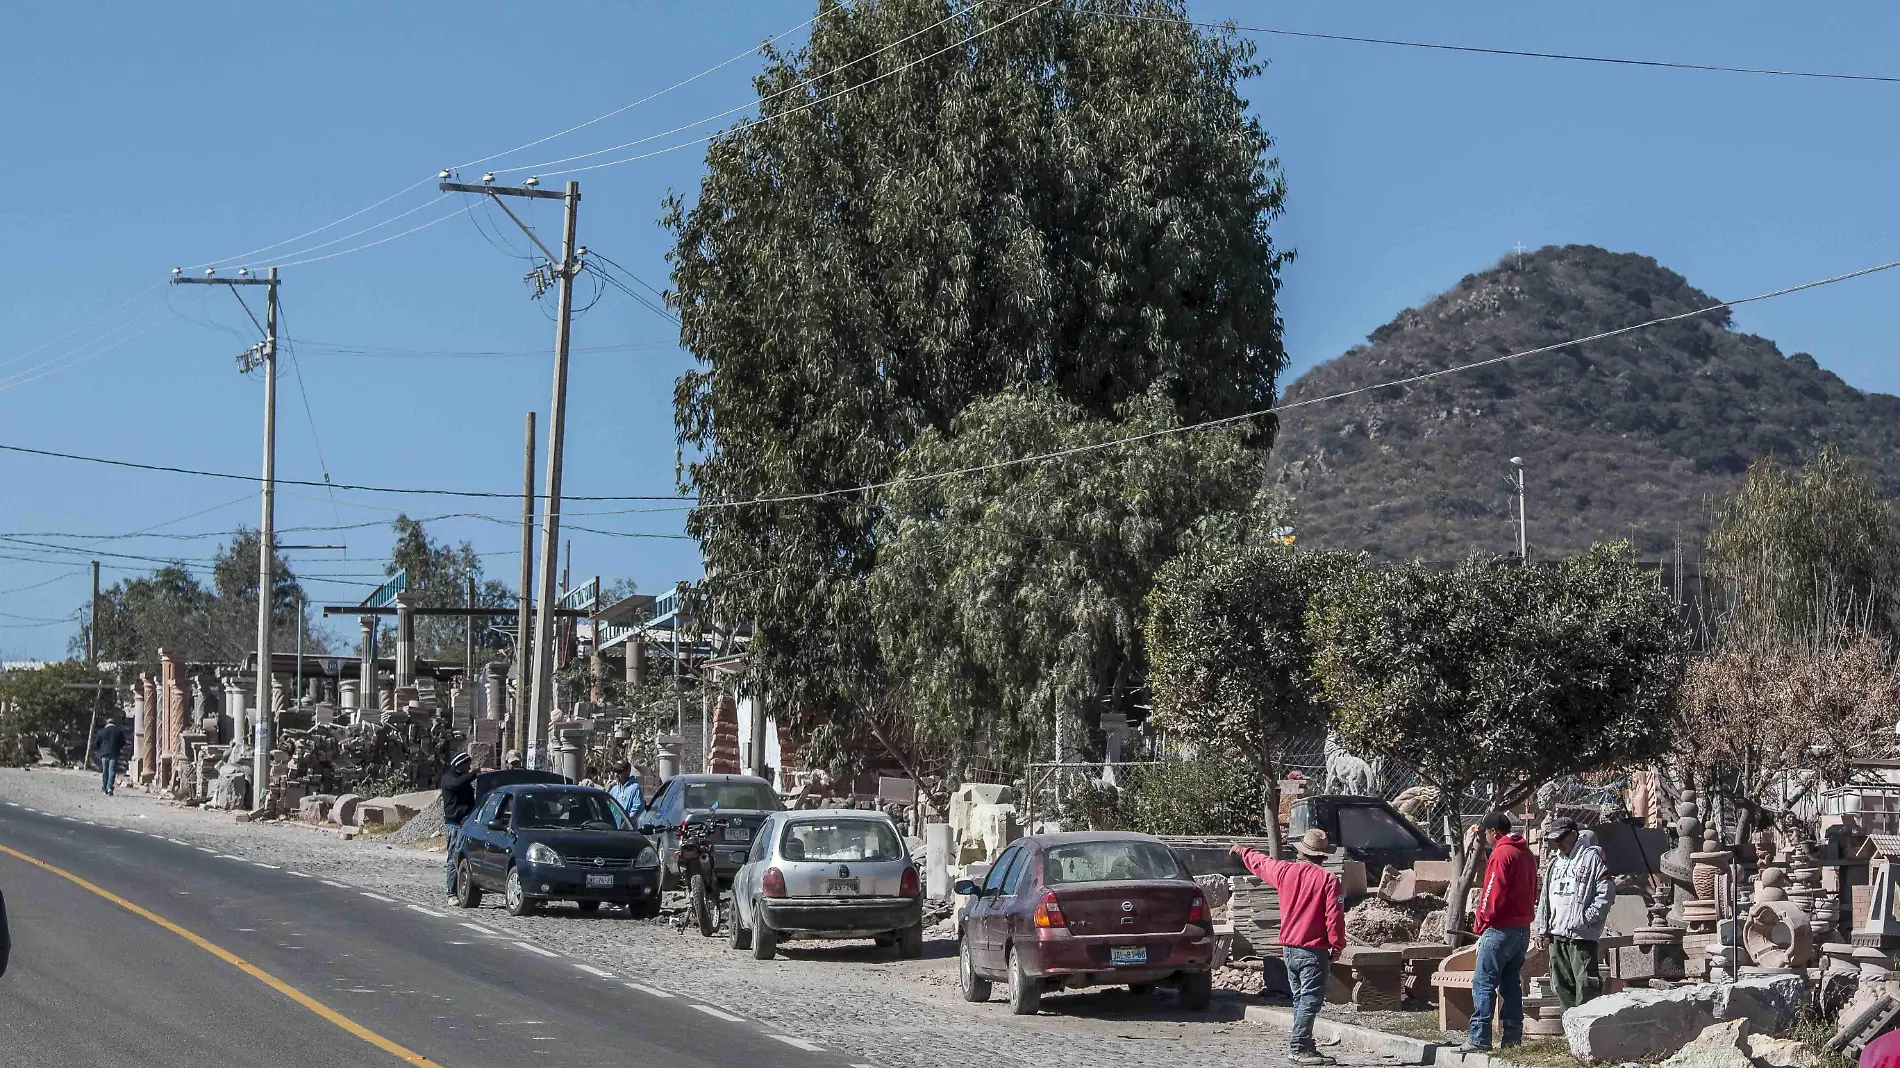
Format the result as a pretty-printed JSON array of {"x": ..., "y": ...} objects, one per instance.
[
  {"x": 828, "y": 873},
  {"x": 1368, "y": 829},
  {"x": 742, "y": 801},
  {"x": 1085, "y": 908},
  {"x": 539, "y": 842}
]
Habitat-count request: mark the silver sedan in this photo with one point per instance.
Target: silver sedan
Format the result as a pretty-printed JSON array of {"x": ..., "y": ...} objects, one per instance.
[{"x": 827, "y": 873}]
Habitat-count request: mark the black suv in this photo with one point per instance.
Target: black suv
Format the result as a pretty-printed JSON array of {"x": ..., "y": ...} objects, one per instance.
[{"x": 742, "y": 801}]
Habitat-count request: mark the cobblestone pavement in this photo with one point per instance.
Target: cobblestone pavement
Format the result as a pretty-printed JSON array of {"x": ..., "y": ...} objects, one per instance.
[{"x": 902, "y": 1014}]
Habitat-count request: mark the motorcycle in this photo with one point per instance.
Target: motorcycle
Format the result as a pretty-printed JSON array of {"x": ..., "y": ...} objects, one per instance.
[{"x": 695, "y": 856}]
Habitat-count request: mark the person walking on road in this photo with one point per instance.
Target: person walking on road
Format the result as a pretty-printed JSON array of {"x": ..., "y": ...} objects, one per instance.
[
  {"x": 1572, "y": 904},
  {"x": 106, "y": 746},
  {"x": 1506, "y": 908},
  {"x": 626, "y": 789},
  {"x": 1312, "y": 930},
  {"x": 458, "y": 800}
]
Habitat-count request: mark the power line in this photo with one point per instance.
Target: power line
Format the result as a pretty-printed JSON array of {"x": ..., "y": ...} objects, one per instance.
[
  {"x": 807, "y": 83},
  {"x": 934, "y": 476},
  {"x": 1519, "y": 53},
  {"x": 320, "y": 348},
  {"x": 644, "y": 302},
  {"x": 82, "y": 326},
  {"x": 45, "y": 582},
  {"x": 165, "y": 469},
  {"x": 802, "y": 107}
]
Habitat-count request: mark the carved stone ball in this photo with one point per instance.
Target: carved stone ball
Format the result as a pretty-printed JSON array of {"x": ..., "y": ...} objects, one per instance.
[{"x": 1774, "y": 877}]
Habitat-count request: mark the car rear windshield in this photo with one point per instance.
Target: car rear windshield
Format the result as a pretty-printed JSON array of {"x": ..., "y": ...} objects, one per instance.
[
  {"x": 744, "y": 796},
  {"x": 569, "y": 810},
  {"x": 841, "y": 840},
  {"x": 1095, "y": 862}
]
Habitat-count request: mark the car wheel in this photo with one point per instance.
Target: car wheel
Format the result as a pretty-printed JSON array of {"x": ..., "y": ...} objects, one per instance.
[
  {"x": 973, "y": 986},
  {"x": 519, "y": 903},
  {"x": 764, "y": 942},
  {"x": 1197, "y": 991},
  {"x": 1025, "y": 993},
  {"x": 739, "y": 937},
  {"x": 587, "y": 906},
  {"x": 1141, "y": 990},
  {"x": 910, "y": 942},
  {"x": 466, "y": 893},
  {"x": 704, "y": 904}
]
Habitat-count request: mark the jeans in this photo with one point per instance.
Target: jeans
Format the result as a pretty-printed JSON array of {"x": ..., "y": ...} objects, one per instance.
[
  {"x": 1306, "y": 971},
  {"x": 450, "y": 832},
  {"x": 108, "y": 771},
  {"x": 1574, "y": 971},
  {"x": 1499, "y": 974}
]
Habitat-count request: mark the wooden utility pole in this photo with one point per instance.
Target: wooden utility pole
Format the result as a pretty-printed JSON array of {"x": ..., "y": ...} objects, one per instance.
[
  {"x": 566, "y": 266},
  {"x": 92, "y": 628},
  {"x": 263, "y": 354},
  {"x": 525, "y": 599}
]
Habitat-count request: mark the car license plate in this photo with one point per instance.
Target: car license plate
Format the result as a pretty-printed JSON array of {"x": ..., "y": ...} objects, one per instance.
[
  {"x": 841, "y": 887},
  {"x": 1128, "y": 955},
  {"x": 599, "y": 880},
  {"x": 738, "y": 834}
]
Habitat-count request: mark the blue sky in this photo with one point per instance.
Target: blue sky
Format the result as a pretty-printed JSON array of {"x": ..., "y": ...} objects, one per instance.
[{"x": 138, "y": 137}]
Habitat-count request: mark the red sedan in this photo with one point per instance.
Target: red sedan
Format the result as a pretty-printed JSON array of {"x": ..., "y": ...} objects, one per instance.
[{"x": 1085, "y": 908}]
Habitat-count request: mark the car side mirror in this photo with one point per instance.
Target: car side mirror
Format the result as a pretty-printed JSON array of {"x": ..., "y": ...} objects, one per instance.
[
  {"x": 498, "y": 825},
  {"x": 968, "y": 888}
]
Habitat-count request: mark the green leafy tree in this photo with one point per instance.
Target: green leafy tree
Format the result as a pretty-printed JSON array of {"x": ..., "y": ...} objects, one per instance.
[
  {"x": 1794, "y": 552},
  {"x": 438, "y": 578},
  {"x": 1499, "y": 673},
  {"x": 172, "y": 610},
  {"x": 1231, "y": 657},
  {"x": 39, "y": 706},
  {"x": 1214, "y": 793},
  {"x": 1046, "y": 196},
  {"x": 1007, "y": 597}
]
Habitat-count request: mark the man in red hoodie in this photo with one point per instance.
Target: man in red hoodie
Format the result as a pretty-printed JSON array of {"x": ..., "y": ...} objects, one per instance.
[
  {"x": 1506, "y": 906},
  {"x": 1312, "y": 930}
]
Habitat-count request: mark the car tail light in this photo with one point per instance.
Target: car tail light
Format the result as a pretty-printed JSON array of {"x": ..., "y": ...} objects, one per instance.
[
  {"x": 1049, "y": 912},
  {"x": 907, "y": 885},
  {"x": 1197, "y": 912},
  {"x": 686, "y": 826},
  {"x": 774, "y": 883}
]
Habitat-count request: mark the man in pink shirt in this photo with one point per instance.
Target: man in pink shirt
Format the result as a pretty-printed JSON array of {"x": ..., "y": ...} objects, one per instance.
[{"x": 1312, "y": 930}]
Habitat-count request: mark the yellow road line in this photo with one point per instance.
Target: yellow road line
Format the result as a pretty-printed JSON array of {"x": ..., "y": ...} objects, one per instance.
[{"x": 252, "y": 970}]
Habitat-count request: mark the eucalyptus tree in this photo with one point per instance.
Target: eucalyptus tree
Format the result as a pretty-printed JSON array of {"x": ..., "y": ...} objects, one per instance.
[{"x": 937, "y": 202}]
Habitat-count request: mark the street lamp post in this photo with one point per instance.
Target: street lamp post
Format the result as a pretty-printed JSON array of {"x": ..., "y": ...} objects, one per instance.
[{"x": 1523, "y": 545}]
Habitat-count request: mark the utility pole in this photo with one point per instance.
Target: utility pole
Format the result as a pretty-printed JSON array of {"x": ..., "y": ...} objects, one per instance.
[
  {"x": 264, "y": 355},
  {"x": 522, "y": 638},
  {"x": 468, "y": 660},
  {"x": 1523, "y": 544},
  {"x": 92, "y": 629},
  {"x": 567, "y": 265}
]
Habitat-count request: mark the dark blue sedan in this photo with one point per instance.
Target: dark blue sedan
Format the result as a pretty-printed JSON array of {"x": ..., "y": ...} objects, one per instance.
[{"x": 539, "y": 842}]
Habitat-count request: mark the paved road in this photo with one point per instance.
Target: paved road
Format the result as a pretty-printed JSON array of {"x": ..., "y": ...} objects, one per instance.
[{"x": 330, "y": 975}]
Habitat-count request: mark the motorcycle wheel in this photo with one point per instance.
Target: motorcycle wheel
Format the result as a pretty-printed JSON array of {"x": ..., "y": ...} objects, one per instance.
[{"x": 704, "y": 909}]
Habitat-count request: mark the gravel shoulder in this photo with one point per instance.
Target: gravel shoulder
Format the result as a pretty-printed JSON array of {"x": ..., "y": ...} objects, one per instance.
[{"x": 899, "y": 1014}]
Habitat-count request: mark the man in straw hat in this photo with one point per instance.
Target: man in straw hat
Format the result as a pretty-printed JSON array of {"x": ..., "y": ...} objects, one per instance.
[{"x": 1312, "y": 929}]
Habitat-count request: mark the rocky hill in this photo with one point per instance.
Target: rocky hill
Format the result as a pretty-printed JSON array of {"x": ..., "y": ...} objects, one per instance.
[{"x": 1627, "y": 437}]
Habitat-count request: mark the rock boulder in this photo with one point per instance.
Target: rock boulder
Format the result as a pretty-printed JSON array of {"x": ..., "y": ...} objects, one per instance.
[
  {"x": 344, "y": 811},
  {"x": 1720, "y": 1045},
  {"x": 1769, "y": 1003},
  {"x": 1639, "y": 1025}
]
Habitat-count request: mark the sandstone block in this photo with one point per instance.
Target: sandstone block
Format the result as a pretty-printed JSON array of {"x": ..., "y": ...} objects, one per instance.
[
  {"x": 344, "y": 811},
  {"x": 1720, "y": 1045},
  {"x": 1642, "y": 1024}
]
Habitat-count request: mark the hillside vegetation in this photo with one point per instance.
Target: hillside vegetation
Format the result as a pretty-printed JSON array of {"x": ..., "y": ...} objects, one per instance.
[{"x": 1627, "y": 437}]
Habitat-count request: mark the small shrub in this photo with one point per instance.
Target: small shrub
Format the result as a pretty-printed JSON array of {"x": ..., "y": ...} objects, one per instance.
[{"x": 1214, "y": 794}]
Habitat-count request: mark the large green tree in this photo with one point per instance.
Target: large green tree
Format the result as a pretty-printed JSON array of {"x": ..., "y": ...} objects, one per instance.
[
  {"x": 1231, "y": 656},
  {"x": 42, "y": 706},
  {"x": 439, "y": 574},
  {"x": 1799, "y": 551},
  {"x": 1009, "y": 598},
  {"x": 1020, "y": 191},
  {"x": 1500, "y": 673},
  {"x": 172, "y": 610}
]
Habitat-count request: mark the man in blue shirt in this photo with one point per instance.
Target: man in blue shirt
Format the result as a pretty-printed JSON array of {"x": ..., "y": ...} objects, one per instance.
[{"x": 625, "y": 789}]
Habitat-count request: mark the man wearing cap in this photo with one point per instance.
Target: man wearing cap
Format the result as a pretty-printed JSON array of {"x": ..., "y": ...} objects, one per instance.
[
  {"x": 1312, "y": 929},
  {"x": 1571, "y": 906},
  {"x": 1502, "y": 923},
  {"x": 458, "y": 800}
]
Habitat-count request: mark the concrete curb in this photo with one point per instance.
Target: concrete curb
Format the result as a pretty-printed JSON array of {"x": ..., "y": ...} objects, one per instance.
[{"x": 1408, "y": 1050}]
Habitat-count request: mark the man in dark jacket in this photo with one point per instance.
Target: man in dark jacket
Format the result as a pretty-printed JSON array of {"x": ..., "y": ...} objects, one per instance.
[
  {"x": 458, "y": 800},
  {"x": 106, "y": 747},
  {"x": 1506, "y": 906}
]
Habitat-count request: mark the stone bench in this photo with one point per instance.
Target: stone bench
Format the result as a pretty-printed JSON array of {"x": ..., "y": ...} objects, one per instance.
[{"x": 1453, "y": 980}]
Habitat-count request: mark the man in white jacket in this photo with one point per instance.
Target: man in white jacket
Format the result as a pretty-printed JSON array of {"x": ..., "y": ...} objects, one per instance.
[{"x": 1572, "y": 904}]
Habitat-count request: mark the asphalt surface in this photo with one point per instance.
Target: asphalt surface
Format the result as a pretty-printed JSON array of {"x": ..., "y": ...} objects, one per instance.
[{"x": 93, "y": 984}]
